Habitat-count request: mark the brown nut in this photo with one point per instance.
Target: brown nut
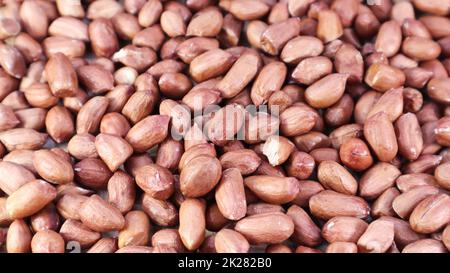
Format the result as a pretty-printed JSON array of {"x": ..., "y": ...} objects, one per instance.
[
  {"x": 328, "y": 204},
  {"x": 272, "y": 189},
  {"x": 192, "y": 223},
  {"x": 29, "y": 199},
  {"x": 277, "y": 227},
  {"x": 101, "y": 216},
  {"x": 230, "y": 195}
]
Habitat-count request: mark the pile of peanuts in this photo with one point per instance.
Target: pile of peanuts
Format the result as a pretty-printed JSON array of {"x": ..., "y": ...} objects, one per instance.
[{"x": 225, "y": 126}]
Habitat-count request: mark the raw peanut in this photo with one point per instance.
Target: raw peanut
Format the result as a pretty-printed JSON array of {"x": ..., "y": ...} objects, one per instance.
[
  {"x": 192, "y": 223},
  {"x": 225, "y": 124},
  {"x": 99, "y": 215},
  {"x": 446, "y": 237},
  {"x": 307, "y": 189},
  {"x": 59, "y": 123},
  {"x": 13, "y": 176},
  {"x": 259, "y": 127},
  {"x": 311, "y": 47},
  {"x": 47, "y": 241},
  {"x": 333, "y": 176},
  {"x": 329, "y": 26},
  {"x": 300, "y": 165},
  {"x": 104, "y": 245},
  {"x": 95, "y": 79},
  {"x": 69, "y": 205},
  {"x": 275, "y": 37},
  {"x": 4, "y": 217},
  {"x": 188, "y": 50},
  {"x": 383, "y": 77},
  {"x": 89, "y": 116},
  {"x": 140, "y": 105},
  {"x": 389, "y": 38},
  {"x": 342, "y": 247},
  {"x": 265, "y": 83},
  {"x": 113, "y": 150},
  {"x": 52, "y": 167},
  {"x": 136, "y": 231},
  {"x": 311, "y": 140},
  {"x": 92, "y": 172},
  {"x": 431, "y": 214},
  {"x": 441, "y": 132},
  {"x": 12, "y": 61},
  {"x": 304, "y": 249},
  {"x": 22, "y": 139},
  {"x": 326, "y": 91},
  {"x": 230, "y": 195},
  {"x": 114, "y": 124},
  {"x": 21, "y": 157},
  {"x": 161, "y": 212},
  {"x": 169, "y": 154},
  {"x": 312, "y": 69},
  {"x": 19, "y": 236},
  {"x": 244, "y": 9},
  {"x": 405, "y": 203},
  {"x": 34, "y": 19},
  {"x": 379, "y": 133},
  {"x": 409, "y": 136},
  {"x": 297, "y": 120},
  {"x": 382, "y": 206},
  {"x": 278, "y": 248},
  {"x": 261, "y": 208},
  {"x": 272, "y": 189},
  {"x": 148, "y": 132},
  {"x": 172, "y": 23},
  {"x": 29, "y": 199},
  {"x": 355, "y": 154},
  {"x": 39, "y": 95},
  {"x": 433, "y": 7},
  {"x": 270, "y": 228},
  {"x": 390, "y": 102},
  {"x": 305, "y": 230},
  {"x": 82, "y": 146},
  {"x": 104, "y": 40},
  {"x": 139, "y": 58},
  {"x": 377, "y": 238},
  {"x": 230, "y": 241},
  {"x": 377, "y": 179},
  {"x": 195, "y": 151},
  {"x": 8, "y": 119},
  {"x": 328, "y": 204},
  {"x": 168, "y": 238},
  {"x": 200, "y": 176},
  {"x": 69, "y": 27},
  {"x": 210, "y": 64},
  {"x": 121, "y": 191},
  {"x": 214, "y": 218},
  {"x": 205, "y": 23},
  {"x": 343, "y": 229},
  {"x": 73, "y": 230},
  {"x": 59, "y": 44},
  {"x": 277, "y": 149},
  {"x": 155, "y": 180},
  {"x": 425, "y": 246},
  {"x": 240, "y": 74},
  {"x": 421, "y": 49},
  {"x": 442, "y": 175},
  {"x": 438, "y": 90},
  {"x": 61, "y": 76},
  {"x": 245, "y": 160}
]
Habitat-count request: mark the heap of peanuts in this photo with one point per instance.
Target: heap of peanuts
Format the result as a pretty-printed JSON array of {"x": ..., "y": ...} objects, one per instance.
[{"x": 126, "y": 126}]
